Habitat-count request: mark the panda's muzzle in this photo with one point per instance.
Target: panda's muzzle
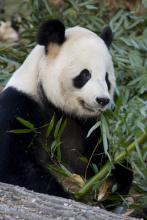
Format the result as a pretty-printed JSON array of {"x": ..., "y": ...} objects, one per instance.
[
  {"x": 102, "y": 103},
  {"x": 86, "y": 106}
]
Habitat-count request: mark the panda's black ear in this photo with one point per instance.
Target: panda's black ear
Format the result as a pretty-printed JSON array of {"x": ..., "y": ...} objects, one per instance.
[
  {"x": 107, "y": 36},
  {"x": 52, "y": 31}
]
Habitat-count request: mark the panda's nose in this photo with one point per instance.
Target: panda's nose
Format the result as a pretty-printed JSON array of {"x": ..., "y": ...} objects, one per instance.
[{"x": 102, "y": 101}]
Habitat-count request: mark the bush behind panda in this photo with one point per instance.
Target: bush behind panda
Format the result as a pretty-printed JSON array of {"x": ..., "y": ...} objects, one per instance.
[{"x": 69, "y": 73}]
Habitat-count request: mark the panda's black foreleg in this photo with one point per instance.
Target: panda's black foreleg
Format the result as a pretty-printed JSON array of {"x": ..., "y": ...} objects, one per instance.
[
  {"x": 33, "y": 177},
  {"x": 122, "y": 175}
]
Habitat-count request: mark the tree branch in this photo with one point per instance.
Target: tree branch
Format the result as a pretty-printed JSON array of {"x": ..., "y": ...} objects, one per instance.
[{"x": 19, "y": 203}]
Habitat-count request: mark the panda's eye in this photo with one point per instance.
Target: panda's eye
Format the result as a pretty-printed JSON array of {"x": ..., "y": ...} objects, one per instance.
[
  {"x": 80, "y": 80},
  {"x": 107, "y": 81}
]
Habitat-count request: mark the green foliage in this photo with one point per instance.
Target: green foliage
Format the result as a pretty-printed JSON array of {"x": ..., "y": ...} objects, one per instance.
[
  {"x": 29, "y": 127},
  {"x": 129, "y": 51},
  {"x": 52, "y": 129}
]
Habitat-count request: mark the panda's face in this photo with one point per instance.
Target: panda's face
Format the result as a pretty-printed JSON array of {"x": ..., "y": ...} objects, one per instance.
[{"x": 78, "y": 76}]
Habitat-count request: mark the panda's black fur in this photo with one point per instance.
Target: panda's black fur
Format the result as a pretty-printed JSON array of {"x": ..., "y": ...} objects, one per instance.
[{"x": 22, "y": 163}]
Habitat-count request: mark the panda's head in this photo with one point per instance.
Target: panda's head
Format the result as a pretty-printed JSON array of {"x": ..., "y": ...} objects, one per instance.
[{"x": 76, "y": 72}]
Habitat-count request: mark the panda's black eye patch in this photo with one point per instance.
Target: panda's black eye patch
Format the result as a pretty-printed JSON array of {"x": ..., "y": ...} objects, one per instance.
[
  {"x": 80, "y": 80},
  {"x": 107, "y": 81}
]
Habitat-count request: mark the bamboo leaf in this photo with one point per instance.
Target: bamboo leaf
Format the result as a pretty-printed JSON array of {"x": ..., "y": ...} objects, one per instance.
[
  {"x": 26, "y": 123},
  {"x": 50, "y": 126},
  {"x": 21, "y": 131},
  {"x": 57, "y": 128},
  {"x": 93, "y": 128},
  {"x": 62, "y": 127}
]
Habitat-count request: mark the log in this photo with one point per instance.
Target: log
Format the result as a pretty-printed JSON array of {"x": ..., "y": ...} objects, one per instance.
[{"x": 19, "y": 203}]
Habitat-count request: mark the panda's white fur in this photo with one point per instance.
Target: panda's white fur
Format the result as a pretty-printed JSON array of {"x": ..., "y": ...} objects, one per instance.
[
  {"x": 26, "y": 77},
  {"x": 82, "y": 49}
]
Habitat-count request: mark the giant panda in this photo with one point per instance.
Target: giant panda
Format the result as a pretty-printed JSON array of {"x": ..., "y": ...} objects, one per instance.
[{"x": 69, "y": 73}]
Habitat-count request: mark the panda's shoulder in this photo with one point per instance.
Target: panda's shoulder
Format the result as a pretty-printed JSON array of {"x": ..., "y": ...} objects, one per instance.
[
  {"x": 14, "y": 98},
  {"x": 14, "y": 103}
]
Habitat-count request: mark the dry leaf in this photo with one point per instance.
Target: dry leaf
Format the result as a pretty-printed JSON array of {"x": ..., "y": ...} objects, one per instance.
[
  {"x": 73, "y": 183},
  {"x": 104, "y": 189}
]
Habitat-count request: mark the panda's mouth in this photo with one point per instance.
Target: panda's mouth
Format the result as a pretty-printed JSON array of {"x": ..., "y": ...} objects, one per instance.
[{"x": 86, "y": 106}]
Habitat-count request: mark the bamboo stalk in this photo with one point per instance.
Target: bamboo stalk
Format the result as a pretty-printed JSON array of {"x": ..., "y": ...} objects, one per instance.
[{"x": 105, "y": 169}]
